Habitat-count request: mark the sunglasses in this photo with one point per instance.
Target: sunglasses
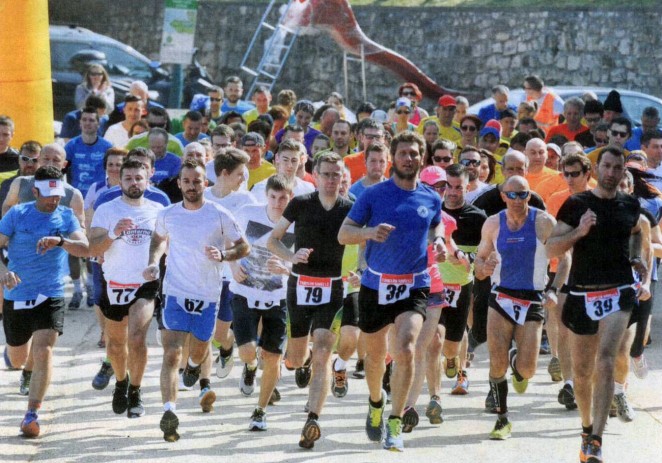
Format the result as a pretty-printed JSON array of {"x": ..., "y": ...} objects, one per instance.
[
  {"x": 161, "y": 125},
  {"x": 592, "y": 119},
  {"x": 403, "y": 112},
  {"x": 575, "y": 174},
  {"x": 410, "y": 93},
  {"x": 517, "y": 194},
  {"x": 470, "y": 128},
  {"x": 618, "y": 133},
  {"x": 440, "y": 159},
  {"x": 470, "y": 162},
  {"x": 29, "y": 159},
  {"x": 215, "y": 99}
]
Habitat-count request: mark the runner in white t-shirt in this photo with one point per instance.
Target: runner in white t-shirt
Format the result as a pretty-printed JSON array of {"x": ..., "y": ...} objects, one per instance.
[
  {"x": 229, "y": 166},
  {"x": 121, "y": 232},
  {"x": 290, "y": 155},
  {"x": 199, "y": 236},
  {"x": 259, "y": 292}
]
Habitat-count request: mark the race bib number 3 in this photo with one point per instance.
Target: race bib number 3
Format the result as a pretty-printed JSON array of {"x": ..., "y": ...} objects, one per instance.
[
  {"x": 599, "y": 304},
  {"x": 121, "y": 293},
  {"x": 515, "y": 308},
  {"x": 30, "y": 303},
  {"x": 452, "y": 295},
  {"x": 394, "y": 288},
  {"x": 313, "y": 290}
]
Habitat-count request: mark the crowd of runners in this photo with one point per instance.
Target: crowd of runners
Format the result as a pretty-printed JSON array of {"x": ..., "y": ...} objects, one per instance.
[{"x": 309, "y": 236}]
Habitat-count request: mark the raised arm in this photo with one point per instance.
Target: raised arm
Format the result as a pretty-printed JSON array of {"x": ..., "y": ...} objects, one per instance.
[
  {"x": 564, "y": 236},
  {"x": 486, "y": 259},
  {"x": 352, "y": 233}
]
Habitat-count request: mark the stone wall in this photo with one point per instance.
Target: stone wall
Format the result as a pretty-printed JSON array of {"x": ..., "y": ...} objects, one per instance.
[{"x": 466, "y": 49}]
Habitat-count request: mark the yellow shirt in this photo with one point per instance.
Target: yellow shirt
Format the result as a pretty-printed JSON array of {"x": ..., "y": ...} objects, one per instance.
[{"x": 263, "y": 172}]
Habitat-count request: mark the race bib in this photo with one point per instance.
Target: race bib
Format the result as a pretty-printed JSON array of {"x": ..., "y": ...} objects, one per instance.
[
  {"x": 452, "y": 294},
  {"x": 599, "y": 304},
  {"x": 394, "y": 288},
  {"x": 121, "y": 293},
  {"x": 313, "y": 290},
  {"x": 515, "y": 308},
  {"x": 261, "y": 305},
  {"x": 193, "y": 306},
  {"x": 29, "y": 304}
]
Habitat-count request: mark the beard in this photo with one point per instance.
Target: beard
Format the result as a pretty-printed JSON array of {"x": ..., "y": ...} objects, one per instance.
[
  {"x": 193, "y": 196},
  {"x": 133, "y": 193},
  {"x": 404, "y": 175}
]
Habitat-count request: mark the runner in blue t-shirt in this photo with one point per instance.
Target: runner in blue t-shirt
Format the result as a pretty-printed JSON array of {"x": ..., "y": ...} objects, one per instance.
[
  {"x": 35, "y": 234},
  {"x": 398, "y": 215},
  {"x": 85, "y": 153}
]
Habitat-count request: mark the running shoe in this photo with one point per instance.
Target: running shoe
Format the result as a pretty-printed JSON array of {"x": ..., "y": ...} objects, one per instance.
[
  {"x": 247, "y": 383},
  {"x": 30, "y": 424},
  {"x": 102, "y": 378},
  {"x": 583, "y": 448},
  {"x": 374, "y": 423},
  {"x": 24, "y": 385},
  {"x": 567, "y": 397},
  {"x": 545, "y": 349},
  {"x": 191, "y": 375},
  {"x": 623, "y": 409},
  {"x": 169, "y": 423},
  {"x": 640, "y": 366},
  {"x": 258, "y": 420},
  {"x": 339, "y": 385},
  {"x": 275, "y": 397},
  {"x": 409, "y": 419},
  {"x": 393, "y": 440},
  {"x": 302, "y": 375},
  {"x": 180, "y": 384},
  {"x": 224, "y": 364},
  {"x": 309, "y": 434},
  {"x": 135, "y": 404},
  {"x": 502, "y": 429},
  {"x": 89, "y": 301},
  {"x": 490, "y": 402},
  {"x": 120, "y": 397},
  {"x": 434, "y": 410},
  {"x": 451, "y": 366},
  {"x": 593, "y": 451},
  {"x": 519, "y": 384},
  {"x": 554, "y": 369},
  {"x": 207, "y": 398},
  {"x": 359, "y": 370},
  {"x": 76, "y": 300},
  {"x": 461, "y": 386}
]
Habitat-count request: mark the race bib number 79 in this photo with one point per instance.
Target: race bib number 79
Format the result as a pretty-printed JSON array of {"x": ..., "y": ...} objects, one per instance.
[{"x": 313, "y": 290}]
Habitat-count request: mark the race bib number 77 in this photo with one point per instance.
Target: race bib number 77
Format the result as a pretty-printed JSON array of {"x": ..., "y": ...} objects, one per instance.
[{"x": 121, "y": 293}]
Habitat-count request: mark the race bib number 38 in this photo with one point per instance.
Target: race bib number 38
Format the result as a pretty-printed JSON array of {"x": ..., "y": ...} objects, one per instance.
[
  {"x": 515, "y": 308},
  {"x": 394, "y": 288},
  {"x": 599, "y": 304},
  {"x": 313, "y": 290},
  {"x": 121, "y": 293}
]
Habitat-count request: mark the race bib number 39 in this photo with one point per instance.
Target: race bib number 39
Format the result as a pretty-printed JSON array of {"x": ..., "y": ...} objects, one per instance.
[
  {"x": 394, "y": 288},
  {"x": 515, "y": 308},
  {"x": 313, "y": 290},
  {"x": 599, "y": 304},
  {"x": 121, "y": 293}
]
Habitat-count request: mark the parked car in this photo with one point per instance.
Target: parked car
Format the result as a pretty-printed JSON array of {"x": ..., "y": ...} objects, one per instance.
[
  {"x": 74, "y": 48},
  {"x": 633, "y": 102}
]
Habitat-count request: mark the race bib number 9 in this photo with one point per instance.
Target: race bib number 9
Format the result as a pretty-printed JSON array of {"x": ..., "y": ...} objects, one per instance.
[
  {"x": 515, "y": 308},
  {"x": 394, "y": 288},
  {"x": 121, "y": 293},
  {"x": 313, "y": 290},
  {"x": 452, "y": 295},
  {"x": 30, "y": 303},
  {"x": 599, "y": 304}
]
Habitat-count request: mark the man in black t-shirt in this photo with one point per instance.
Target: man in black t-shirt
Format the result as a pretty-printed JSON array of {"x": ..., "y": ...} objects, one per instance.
[
  {"x": 8, "y": 155},
  {"x": 601, "y": 227},
  {"x": 315, "y": 287}
]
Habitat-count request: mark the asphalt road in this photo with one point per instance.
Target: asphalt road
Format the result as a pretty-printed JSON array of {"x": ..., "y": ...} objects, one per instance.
[{"x": 78, "y": 424}]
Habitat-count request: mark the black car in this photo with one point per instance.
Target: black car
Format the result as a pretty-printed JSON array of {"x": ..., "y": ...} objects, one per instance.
[{"x": 74, "y": 48}]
